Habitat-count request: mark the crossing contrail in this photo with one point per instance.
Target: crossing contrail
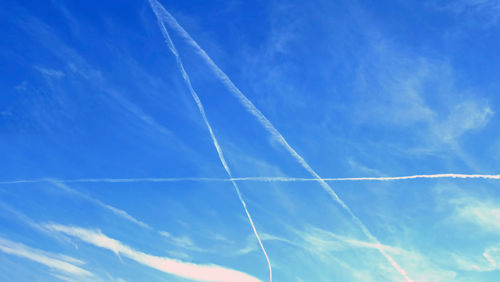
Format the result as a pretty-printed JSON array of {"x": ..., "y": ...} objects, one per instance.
[
  {"x": 269, "y": 127},
  {"x": 254, "y": 179},
  {"x": 160, "y": 15}
]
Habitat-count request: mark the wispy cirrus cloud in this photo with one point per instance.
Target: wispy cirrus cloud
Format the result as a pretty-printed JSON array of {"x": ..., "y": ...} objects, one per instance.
[
  {"x": 479, "y": 263},
  {"x": 316, "y": 240},
  {"x": 418, "y": 95},
  {"x": 180, "y": 241},
  {"x": 324, "y": 244},
  {"x": 483, "y": 13},
  {"x": 49, "y": 72},
  {"x": 475, "y": 218},
  {"x": 483, "y": 213},
  {"x": 61, "y": 263},
  {"x": 167, "y": 265},
  {"x": 119, "y": 212},
  {"x": 323, "y": 240},
  {"x": 328, "y": 247},
  {"x": 492, "y": 256},
  {"x": 77, "y": 66},
  {"x": 466, "y": 116}
]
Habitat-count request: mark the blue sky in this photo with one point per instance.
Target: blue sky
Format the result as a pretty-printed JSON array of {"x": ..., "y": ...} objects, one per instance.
[{"x": 216, "y": 141}]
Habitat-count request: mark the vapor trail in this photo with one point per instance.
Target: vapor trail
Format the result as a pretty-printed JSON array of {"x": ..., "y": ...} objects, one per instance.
[
  {"x": 161, "y": 13},
  {"x": 384, "y": 178},
  {"x": 115, "y": 180},
  {"x": 265, "y": 122},
  {"x": 253, "y": 179}
]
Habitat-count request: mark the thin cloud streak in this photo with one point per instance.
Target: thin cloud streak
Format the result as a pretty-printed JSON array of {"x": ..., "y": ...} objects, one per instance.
[
  {"x": 160, "y": 13},
  {"x": 256, "y": 179},
  {"x": 121, "y": 213},
  {"x": 164, "y": 264},
  {"x": 266, "y": 123},
  {"x": 54, "y": 261}
]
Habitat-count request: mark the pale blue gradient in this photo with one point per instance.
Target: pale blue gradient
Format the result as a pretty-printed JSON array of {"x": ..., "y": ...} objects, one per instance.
[{"x": 132, "y": 142}]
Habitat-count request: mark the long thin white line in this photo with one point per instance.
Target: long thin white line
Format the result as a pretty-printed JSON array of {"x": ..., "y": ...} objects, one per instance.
[
  {"x": 255, "y": 179},
  {"x": 159, "y": 12},
  {"x": 274, "y": 132},
  {"x": 384, "y": 178}
]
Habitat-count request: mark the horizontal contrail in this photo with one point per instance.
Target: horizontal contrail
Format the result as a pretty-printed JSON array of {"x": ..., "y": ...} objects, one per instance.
[
  {"x": 384, "y": 178},
  {"x": 253, "y": 179}
]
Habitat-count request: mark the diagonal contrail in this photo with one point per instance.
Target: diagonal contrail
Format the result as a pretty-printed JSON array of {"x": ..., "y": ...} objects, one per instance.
[
  {"x": 254, "y": 179},
  {"x": 161, "y": 13},
  {"x": 268, "y": 126}
]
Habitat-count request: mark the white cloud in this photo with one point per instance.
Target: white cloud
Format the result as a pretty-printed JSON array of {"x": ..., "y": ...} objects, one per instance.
[
  {"x": 78, "y": 65},
  {"x": 116, "y": 211},
  {"x": 50, "y": 73},
  {"x": 473, "y": 263},
  {"x": 167, "y": 265},
  {"x": 391, "y": 86},
  {"x": 325, "y": 245},
  {"x": 57, "y": 262},
  {"x": 319, "y": 241},
  {"x": 183, "y": 241},
  {"x": 489, "y": 260},
  {"x": 359, "y": 168},
  {"x": 492, "y": 255},
  {"x": 420, "y": 95},
  {"x": 464, "y": 117},
  {"x": 483, "y": 213},
  {"x": 484, "y": 13}
]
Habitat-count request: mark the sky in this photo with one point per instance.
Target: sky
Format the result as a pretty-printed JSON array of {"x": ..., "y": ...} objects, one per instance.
[{"x": 158, "y": 140}]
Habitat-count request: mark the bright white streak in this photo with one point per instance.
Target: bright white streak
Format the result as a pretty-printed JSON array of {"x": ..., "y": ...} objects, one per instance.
[
  {"x": 386, "y": 178},
  {"x": 273, "y": 131},
  {"x": 256, "y": 179},
  {"x": 187, "y": 270},
  {"x": 161, "y": 13},
  {"x": 55, "y": 261}
]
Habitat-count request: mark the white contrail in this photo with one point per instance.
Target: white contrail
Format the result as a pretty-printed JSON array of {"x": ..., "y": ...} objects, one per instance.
[
  {"x": 268, "y": 125},
  {"x": 114, "y": 180},
  {"x": 383, "y": 178},
  {"x": 253, "y": 179},
  {"x": 442, "y": 175},
  {"x": 160, "y": 13}
]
